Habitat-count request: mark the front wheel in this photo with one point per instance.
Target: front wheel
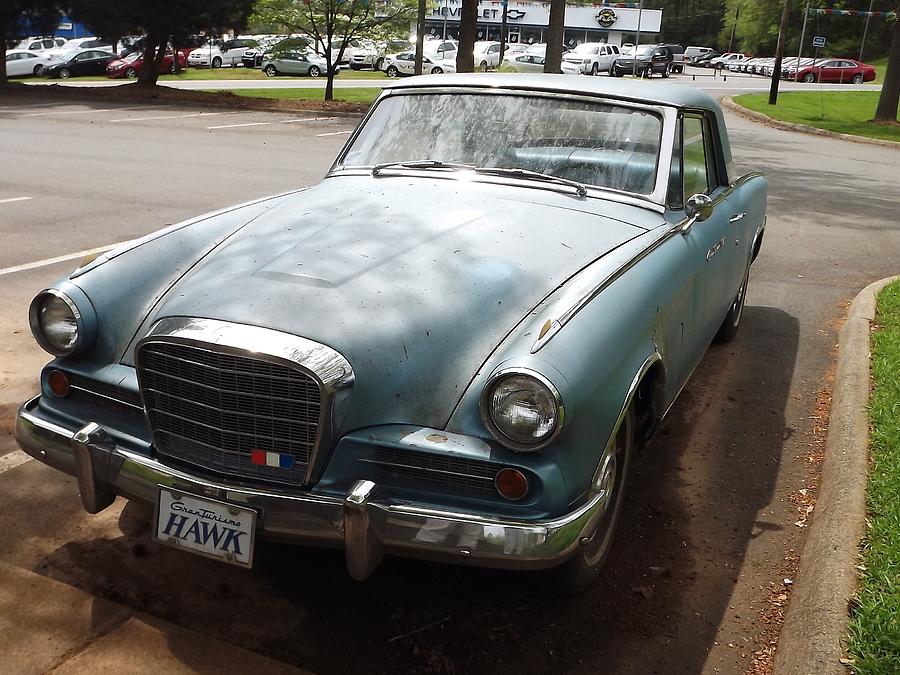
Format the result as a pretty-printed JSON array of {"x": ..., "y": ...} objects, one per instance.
[
  {"x": 579, "y": 571},
  {"x": 667, "y": 71},
  {"x": 392, "y": 71},
  {"x": 595, "y": 69},
  {"x": 64, "y": 73},
  {"x": 217, "y": 62},
  {"x": 314, "y": 71},
  {"x": 809, "y": 78},
  {"x": 614, "y": 71},
  {"x": 271, "y": 71},
  {"x": 858, "y": 78},
  {"x": 732, "y": 322},
  {"x": 131, "y": 73}
]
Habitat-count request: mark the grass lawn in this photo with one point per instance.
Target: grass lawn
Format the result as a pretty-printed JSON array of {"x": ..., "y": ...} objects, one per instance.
[
  {"x": 350, "y": 95},
  {"x": 845, "y": 112},
  {"x": 875, "y": 625}
]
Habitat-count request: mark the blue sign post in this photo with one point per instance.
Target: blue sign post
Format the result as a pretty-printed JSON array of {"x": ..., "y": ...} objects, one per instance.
[{"x": 819, "y": 41}]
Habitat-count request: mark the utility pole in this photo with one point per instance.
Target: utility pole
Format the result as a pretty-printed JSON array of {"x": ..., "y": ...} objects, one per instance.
[
  {"x": 802, "y": 38},
  {"x": 737, "y": 13},
  {"x": 862, "y": 45},
  {"x": 420, "y": 37},
  {"x": 637, "y": 39},
  {"x": 779, "y": 52},
  {"x": 505, "y": 4}
]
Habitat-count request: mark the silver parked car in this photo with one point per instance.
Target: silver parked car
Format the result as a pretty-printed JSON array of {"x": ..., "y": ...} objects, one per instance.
[{"x": 294, "y": 63}]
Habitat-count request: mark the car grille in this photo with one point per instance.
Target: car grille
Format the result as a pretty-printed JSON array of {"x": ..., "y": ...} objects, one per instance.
[
  {"x": 213, "y": 409},
  {"x": 438, "y": 470}
]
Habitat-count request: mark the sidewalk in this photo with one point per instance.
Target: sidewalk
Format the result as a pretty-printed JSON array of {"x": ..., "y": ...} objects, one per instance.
[{"x": 66, "y": 631}]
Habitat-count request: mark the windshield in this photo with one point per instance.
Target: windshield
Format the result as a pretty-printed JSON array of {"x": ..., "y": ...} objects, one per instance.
[
  {"x": 586, "y": 48},
  {"x": 645, "y": 50},
  {"x": 599, "y": 144}
]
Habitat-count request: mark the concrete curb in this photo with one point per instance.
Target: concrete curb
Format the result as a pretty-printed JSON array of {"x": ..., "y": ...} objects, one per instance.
[
  {"x": 811, "y": 641},
  {"x": 729, "y": 103}
]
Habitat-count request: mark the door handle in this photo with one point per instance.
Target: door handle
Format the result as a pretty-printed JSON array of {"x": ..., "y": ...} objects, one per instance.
[{"x": 736, "y": 217}]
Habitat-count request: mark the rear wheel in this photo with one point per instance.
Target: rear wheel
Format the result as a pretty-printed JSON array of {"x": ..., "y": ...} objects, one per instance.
[
  {"x": 614, "y": 71},
  {"x": 271, "y": 71},
  {"x": 314, "y": 71},
  {"x": 484, "y": 66},
  {"x": 595, "y": 69},
  {"x": 580, "y": 570},
  {"x": 732, "y": 322},
  {"x": 38, "y": 70},
  {"x": 667, "y": 71},
  {"x": 437, "y": 70},
  {"x": 858, "y": 78}
]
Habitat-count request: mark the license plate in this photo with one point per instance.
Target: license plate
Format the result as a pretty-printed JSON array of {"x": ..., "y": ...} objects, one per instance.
[{"x": 205, "y": 526}]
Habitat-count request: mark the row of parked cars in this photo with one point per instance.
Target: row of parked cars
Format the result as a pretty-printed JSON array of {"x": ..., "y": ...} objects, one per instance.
[{"x": 792, "y": 68}]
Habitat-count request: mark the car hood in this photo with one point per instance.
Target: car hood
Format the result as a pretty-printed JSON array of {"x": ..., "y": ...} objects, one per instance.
[{"x": 414, "y": 280}]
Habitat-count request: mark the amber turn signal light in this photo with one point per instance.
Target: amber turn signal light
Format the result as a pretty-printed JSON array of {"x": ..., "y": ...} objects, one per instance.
[
  {"x": 511, "y": 484},
  {"x": 58, "y": 383}
]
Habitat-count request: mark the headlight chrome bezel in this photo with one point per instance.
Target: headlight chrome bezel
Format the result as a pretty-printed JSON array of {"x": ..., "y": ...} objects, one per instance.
[
  {"x": 37, "y": 329},
  {"x": 488, "y": 420}
]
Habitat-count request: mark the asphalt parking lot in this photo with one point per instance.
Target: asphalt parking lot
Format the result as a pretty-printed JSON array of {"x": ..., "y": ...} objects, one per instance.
[{"x": 710, "y": 529}]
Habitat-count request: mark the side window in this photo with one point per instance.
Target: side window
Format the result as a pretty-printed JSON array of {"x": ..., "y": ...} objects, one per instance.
[
  {"x": 675, "y": 192},
  {"x": 695, "y": 165}
]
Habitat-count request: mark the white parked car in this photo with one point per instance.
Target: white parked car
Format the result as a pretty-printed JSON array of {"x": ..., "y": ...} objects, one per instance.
[
  {"x": 591, "y": 58},
  {"x": 21, "y": 62},
  {"x": 487, "y": 55},
  {"x": 441, "y": 49},
  {"x": 527, "y": 63},
  {"x": 83, "y": 43},
  {"x": 725, "y": 60},
  {"x": 404, "y": 63},
  {"x": 41, "y": 44},
  {"x": 230, "y": 53},
  {"x": 691, "y": 52}
]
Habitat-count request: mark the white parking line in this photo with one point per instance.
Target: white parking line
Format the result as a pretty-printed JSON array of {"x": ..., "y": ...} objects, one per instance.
[
  {"x": 14, "y": 199},
  {"x": 13, "y": 459},
  {"x": 260, "y": 124},
  {"x": 336, "y": 133},
  {"x": 58, "y": 259},
  {"x": 164, "y": 117},
  {"x": 81, "y": 112}
]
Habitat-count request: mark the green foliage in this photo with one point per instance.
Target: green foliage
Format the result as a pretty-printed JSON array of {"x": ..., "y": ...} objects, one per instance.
[
  {"x": 875, "y": 624},
  {"x": 844, "y": 112}
]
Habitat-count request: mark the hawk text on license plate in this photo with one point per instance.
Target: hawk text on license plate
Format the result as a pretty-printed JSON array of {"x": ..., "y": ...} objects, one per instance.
[{"x": 206, "y": 526}]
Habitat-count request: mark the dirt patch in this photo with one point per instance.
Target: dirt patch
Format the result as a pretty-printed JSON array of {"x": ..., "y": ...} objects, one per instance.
[{"x": 161, "y": 94}]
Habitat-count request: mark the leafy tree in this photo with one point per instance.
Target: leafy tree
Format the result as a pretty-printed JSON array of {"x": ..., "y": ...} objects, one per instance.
[
  {"x": 332, "y": 23},
  {"x": 17, "y": 16}
]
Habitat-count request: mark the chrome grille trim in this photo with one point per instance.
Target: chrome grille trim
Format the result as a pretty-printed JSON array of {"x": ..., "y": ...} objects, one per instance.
[
  {"x": 255, "y": 384},
  {"x": 95, "y": 389},
  {"x": 447, "y": 470}
]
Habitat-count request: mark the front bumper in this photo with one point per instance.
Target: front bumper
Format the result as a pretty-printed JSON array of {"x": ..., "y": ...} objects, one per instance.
[{"x": 365, "y": 524}]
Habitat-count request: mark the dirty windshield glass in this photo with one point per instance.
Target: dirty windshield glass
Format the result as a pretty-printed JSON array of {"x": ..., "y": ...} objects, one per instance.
[{"x": 598, "y": 144}]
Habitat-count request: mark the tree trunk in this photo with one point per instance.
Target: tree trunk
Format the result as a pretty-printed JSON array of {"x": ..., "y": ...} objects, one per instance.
[
  {"x": 890, "y": 88},
  {"x": 329, "y": 73},
  {"x": 556, "y": 32},
  {"x": 4, "y": 26},
  {"x": 420, "y": 36},
  {"x": 779, "y": 53},
  {"x": 148, "y": 75},
  {"x": 465, "y": 57}
]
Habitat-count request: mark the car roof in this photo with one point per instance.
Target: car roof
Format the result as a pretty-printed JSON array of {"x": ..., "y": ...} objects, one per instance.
[{"x": 677, "y": 95}]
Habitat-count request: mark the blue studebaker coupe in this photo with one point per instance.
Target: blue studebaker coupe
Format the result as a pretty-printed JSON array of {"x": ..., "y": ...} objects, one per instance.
[{"x": 448, "y": 349}]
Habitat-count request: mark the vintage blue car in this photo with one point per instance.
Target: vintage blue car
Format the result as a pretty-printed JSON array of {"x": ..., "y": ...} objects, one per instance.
[{"x": 448, "y": 349}]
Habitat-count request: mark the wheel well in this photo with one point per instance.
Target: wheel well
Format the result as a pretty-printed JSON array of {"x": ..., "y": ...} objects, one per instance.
[{"x": 648, "y": 401}]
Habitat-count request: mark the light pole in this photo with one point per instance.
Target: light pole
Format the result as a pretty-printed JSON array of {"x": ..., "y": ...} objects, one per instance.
[
  {"x": 862, "y": 45},
  {"x": 802, "y": 37}
]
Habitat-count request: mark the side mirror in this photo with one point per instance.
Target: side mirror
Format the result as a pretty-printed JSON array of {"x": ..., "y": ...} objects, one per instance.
[{"x": 699, "y": 207}]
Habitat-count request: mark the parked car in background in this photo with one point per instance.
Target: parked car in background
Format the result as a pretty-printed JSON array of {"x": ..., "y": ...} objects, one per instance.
[
  {"x": 253, "y": 57},
  {"x": 487, "y": 55},
  {"x": 300, "y": 368},
  {"x": 677, "y": 57},
  {"x": 703, "y": 60},
  {"x": 441, "y": 49},
  {"x": 644, "y": 60},
  {"x": 21, "y": 63},
  {"x": 132, "y": 64},
  {"x": 85, "y": 62},
  {"x": 723, "y": 61},
  {"x": 83, "y": 43},
  {"x": 591, "y": 57},
  {"x": 41, "y": 44},
  {"x": 230, "y": 53},
  {"x": 362, "y": 54},
  {"x": 404, "y": 63},
  {"x": 294, "y": 63},
  {"x": 527, "y": 63},
  {"x": 692, "y": 52},
  {"x": 835, "y": 70}
]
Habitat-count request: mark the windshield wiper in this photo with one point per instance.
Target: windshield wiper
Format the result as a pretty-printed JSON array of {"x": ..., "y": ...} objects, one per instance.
[
  {"x": 580, "y": 189},
  {"x": 420, "y": 164}
]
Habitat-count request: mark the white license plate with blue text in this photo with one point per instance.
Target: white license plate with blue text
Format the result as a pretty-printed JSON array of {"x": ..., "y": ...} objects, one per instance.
[{"x": 206, "y": 526}]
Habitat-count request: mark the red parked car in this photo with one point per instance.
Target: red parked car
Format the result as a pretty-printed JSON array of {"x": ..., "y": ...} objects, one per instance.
[
  {"x": 130, "y": 66},
  {"x": 837, "y": 70}
]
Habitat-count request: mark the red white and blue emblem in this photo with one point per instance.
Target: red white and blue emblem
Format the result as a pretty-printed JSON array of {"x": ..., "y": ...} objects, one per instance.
[{"x": 279, "y": 460}]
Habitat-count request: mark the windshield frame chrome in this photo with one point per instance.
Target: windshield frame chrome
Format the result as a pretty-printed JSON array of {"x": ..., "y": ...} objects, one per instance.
[{"x": 668, "y": 115}]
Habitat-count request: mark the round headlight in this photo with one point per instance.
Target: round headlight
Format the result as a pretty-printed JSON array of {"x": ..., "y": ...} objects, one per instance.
[
  {"x": 523, "y": 410},
  {"x": 55, "y": 321}
]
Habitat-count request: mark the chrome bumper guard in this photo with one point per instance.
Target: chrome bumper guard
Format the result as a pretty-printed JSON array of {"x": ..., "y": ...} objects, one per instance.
[{"x": 365, "y": 526}]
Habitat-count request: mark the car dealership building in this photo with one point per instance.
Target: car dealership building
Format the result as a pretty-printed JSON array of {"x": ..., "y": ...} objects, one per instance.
[{"x": 528, "y": 21}]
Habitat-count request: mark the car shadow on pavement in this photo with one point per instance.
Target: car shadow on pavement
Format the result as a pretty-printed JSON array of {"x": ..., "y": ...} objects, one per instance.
[{"x": 697, "y": 500}]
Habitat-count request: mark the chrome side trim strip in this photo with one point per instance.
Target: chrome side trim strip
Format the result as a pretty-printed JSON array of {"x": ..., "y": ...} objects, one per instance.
[{"x": 91, "y": 392}]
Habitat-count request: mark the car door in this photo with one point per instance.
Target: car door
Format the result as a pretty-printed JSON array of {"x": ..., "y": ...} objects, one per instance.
[
  {"x": 715, "y": 253},
  {"x": 14, "y": 65},
  {"x": 406, "y": 64}
]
